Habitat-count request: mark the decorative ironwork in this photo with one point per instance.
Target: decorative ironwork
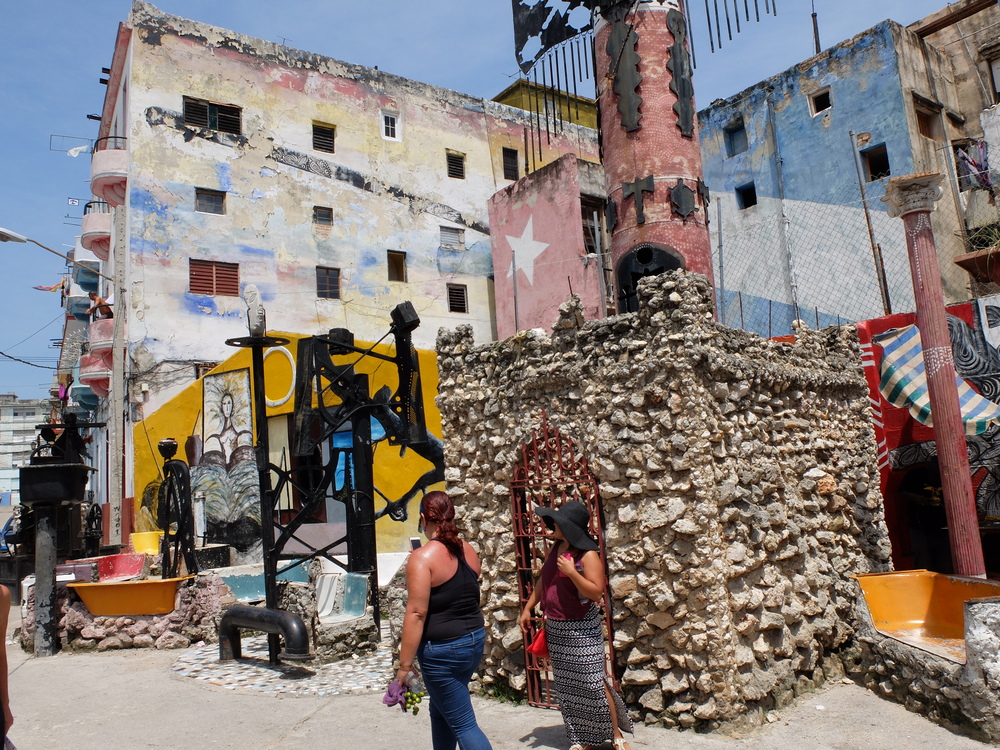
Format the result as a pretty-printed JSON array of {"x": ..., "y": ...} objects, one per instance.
[{"x": 549, "y": 474}]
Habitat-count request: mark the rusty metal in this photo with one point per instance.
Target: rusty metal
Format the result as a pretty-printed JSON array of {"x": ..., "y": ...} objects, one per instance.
[{"x": 549, "y": 474}]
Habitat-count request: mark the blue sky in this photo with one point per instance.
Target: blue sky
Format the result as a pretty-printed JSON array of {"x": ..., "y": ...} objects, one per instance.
[{"x": 52, "y": 52}]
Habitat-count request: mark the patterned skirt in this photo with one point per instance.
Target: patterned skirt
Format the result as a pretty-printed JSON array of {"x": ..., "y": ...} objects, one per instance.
[{"x": 576, "y": 651}]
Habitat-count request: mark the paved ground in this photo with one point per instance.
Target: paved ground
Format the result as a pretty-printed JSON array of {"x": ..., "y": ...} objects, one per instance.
[{"x": 156, "y": 699}]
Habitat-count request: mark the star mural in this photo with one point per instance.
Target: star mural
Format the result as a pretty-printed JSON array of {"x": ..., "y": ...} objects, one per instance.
[{"x": 524, "y": 251}]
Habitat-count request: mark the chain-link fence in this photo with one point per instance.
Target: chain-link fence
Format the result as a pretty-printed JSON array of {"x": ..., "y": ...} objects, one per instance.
[{"x": 838, "y": 257}]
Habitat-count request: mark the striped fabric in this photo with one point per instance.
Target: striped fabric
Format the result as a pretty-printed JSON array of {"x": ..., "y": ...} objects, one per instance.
[{"x": 904, "y": 382}]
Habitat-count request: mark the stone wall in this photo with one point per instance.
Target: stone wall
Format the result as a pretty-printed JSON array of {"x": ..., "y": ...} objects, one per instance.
[{"x": 738, "y": 481}]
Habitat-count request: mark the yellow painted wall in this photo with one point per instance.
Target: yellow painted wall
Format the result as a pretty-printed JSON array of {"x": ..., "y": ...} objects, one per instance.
[{"x": 394, "y": 474}]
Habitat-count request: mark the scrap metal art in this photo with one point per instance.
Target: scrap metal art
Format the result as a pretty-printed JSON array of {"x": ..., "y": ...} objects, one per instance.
[
  {"x": 637, "y": 188},
  {"x": 680, "y": 66},
  {"x": 174, "y": 516},
  {"x": 339, "y": 419}
]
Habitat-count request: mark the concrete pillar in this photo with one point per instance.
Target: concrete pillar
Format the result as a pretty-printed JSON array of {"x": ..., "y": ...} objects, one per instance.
[{"x": 912, "y": 197}]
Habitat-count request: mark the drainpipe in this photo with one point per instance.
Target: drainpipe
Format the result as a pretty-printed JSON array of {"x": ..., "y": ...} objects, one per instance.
[
  {"x": 913, "y": 197},
  {"x": 785, "y": 223}
]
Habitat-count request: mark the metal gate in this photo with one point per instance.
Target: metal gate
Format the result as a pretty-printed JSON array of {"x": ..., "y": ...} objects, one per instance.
[{"x": 549, "y": 474}]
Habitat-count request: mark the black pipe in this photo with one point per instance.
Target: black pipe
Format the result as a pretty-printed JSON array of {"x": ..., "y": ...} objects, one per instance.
[{"x": 288, "y": 624}]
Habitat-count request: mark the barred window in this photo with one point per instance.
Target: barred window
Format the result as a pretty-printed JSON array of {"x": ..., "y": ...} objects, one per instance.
[
  {"x": 327, "y": 282},
  {"x": 323, "y": 216},
  {"x": 511, "y": 164}
]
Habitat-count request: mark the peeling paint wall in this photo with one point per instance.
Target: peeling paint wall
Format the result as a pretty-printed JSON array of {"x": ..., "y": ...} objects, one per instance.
[
  {"x": 801, "y": 163},
  {"x": 385, "y": 195}
]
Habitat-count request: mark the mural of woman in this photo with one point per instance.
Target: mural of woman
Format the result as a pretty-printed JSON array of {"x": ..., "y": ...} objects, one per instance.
[{"x": 227, "y": 472}]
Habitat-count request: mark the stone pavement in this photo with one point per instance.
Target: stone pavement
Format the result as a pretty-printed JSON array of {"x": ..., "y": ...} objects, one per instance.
[{"x": 177, "y": 699}]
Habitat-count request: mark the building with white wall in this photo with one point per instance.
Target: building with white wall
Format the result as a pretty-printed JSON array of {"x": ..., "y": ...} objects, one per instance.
[{"x": 18, "y": 435}]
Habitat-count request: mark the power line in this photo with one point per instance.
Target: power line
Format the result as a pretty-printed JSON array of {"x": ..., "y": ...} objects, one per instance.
[{"x": 26, "y": 362}]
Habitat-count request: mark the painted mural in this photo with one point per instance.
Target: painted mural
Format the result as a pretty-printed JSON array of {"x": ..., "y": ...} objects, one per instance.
[
  {"x": 212, "y": 419},
  {"x": 907, "y": 454}
]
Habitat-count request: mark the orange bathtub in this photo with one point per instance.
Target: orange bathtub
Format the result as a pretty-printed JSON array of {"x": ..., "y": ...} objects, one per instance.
[
  {"x": 924, "y": 609},
  {"x": 153, "y": 596}
]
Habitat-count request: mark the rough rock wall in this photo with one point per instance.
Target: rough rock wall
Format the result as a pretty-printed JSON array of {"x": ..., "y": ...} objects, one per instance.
[{"x": 738, "y": 481}]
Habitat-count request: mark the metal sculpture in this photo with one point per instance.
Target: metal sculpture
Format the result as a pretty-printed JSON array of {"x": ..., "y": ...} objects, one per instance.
[
  {"x": 173, "y": 511},
  {"x": 680, "y": 66},
  {"x": 637, "y": 188}
]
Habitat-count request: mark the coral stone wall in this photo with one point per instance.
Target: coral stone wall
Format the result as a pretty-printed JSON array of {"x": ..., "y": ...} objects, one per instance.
[{"x": 739, "y": 488}]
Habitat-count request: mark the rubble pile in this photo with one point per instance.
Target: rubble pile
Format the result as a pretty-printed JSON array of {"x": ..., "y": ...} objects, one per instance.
[{"x": 738, "y": 481}]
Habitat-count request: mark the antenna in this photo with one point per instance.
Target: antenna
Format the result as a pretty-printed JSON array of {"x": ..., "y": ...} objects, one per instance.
[{"x": 816, "y": 28}]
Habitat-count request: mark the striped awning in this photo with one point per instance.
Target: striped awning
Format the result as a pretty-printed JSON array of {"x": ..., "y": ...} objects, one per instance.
[{"x": 904, "y": 382}]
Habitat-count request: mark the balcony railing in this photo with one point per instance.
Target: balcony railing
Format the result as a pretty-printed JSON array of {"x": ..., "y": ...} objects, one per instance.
[
  {"x": 110, "y": 143},
  {"x": 96, "y": 207},
  {"x": 95, "y": 232},
  {"x": 109, "y": 169}
]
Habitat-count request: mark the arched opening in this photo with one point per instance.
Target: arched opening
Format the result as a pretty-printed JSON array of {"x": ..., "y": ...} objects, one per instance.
[{"x": 646, "y": 259}]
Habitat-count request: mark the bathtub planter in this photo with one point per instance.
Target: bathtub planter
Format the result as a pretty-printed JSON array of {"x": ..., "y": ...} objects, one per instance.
[
  {"x": 924, "y": 609},
  {"x": 154, "y": 596}
]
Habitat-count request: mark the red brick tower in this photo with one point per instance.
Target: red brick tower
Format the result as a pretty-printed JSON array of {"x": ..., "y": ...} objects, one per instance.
[{"x": 657, "y": 200}]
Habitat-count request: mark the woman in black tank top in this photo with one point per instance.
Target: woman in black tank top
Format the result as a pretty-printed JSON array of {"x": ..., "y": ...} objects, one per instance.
[{"x": 443, "y": 626}]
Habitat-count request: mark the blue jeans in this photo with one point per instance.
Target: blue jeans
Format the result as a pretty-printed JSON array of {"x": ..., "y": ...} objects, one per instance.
[{"x": 447, "y": 667}]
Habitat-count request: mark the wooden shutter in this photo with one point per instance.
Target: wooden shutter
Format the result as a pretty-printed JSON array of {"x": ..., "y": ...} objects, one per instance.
[
  {"x": 458, "y": 298},
  {"x": 195, "y": 112},
  {"x": 456, "y": 166},
  {"x": 213, "y": 278},
  {"x": 324, "y": 138}
]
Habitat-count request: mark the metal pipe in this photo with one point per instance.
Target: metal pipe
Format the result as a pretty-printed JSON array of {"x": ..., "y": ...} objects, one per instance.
[
  {"x": 272, "y": 621},
  {"x": 785, "y": 222},
  {"x": 883, "y": 286},
  {"x": 599, "y": 247},
  {"x": 722, "y": 267}
]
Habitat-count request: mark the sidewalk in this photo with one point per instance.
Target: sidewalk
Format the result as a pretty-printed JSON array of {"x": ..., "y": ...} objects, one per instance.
[{"x": 138, "y": 699}]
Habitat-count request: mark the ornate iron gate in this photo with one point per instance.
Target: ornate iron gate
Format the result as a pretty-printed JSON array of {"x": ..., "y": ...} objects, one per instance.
[{"x": 548, "y": 475}]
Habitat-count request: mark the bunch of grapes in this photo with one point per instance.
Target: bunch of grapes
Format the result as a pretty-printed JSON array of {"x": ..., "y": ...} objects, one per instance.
[{"x": 413, "y": 700}]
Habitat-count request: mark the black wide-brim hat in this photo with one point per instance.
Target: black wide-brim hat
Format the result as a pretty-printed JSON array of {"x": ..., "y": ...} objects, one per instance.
[{"x": 574, "y": 520}]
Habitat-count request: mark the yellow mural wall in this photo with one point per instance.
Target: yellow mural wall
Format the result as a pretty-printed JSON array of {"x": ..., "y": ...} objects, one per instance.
[{"x": 395, "y": 474}]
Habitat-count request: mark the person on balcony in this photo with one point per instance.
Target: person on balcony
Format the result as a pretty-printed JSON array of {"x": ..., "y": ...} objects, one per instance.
[{"x": 99, "y": 307}]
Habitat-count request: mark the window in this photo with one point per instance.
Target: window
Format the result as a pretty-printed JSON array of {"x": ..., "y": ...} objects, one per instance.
[
  {"x": 995, "y": 75},
  {"x": 324, "y": 137},
  {"x": 746, "y": 196},
  {"x": 209, "y": 201},
  {"x": 928, "y": 115},
  {"x": 391, "y": 126},
  {"x": 591, "y": 210},
  {"x": 397, "y": 265},
  {"x": 736, "y": 139},
  {"x": 203, "y": 114},
  {"x": 458, "y": 298},
  {"x": 456, "y": 165},
  {"x": 327, "y": 282},
  {"x": 452, "y": 237},
  {"x": 203, "y": 368},
  {"x": 323, "y": 216},
  {"x": 876, "y": 161},
  {"x": 820, "y": 102},
  {"x": 214, "y": 278},
  {"x": 511, "y": 166}
]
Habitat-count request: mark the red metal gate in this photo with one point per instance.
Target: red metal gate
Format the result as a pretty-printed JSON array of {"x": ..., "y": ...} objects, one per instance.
[{"x": 548, "y": 475}]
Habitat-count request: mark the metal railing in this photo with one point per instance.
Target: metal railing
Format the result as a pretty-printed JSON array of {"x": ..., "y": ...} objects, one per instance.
[
  {"x": 96, "y": 207},
  {"x": 110, "y": 143}
]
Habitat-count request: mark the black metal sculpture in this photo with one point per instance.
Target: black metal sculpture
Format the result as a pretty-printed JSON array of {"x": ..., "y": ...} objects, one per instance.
[
  {"x": 624, "y": 69},
  {"x": 637, "y": 188},
  {"x": 173, "y": 510},
  {"x": 682, "y": 199},
  {"x": 679, "y": 65}
]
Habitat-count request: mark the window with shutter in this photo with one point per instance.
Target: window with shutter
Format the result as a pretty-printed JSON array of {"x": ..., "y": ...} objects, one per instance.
[
  {"x": 327, "y": 282},
  {"x": 214, "y": 278},
  {"x": 452, "y": 237},
  {"x": 324, "y": 137},
  {"x": 511, "y": 166},
  {"x": 456, "y": 165},
  {"x": 458, "y": 298},
  {"x": 225, "y": 118}
]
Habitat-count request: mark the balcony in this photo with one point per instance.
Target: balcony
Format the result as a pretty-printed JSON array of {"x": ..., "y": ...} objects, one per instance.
[
  {"x": 101, "y": 335},
  {"x": 109, "y": 170},
  {"x": 80, "y": 393},
  {"x": 96, "y": 229},
  {"x": 77, "y": 302},
  {"x": 95, "y": 372}
]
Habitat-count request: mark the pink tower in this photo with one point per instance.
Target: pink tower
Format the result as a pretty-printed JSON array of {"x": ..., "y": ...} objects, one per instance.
[{"x": 657, "y": 201}]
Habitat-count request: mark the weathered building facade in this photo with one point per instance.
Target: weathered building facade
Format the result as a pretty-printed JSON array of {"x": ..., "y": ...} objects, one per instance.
[
  {"x": 797, "y": 165},
  {"x": 339, "y": 191}
]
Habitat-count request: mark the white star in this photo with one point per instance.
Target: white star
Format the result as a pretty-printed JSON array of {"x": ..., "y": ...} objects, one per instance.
[{"x": 524, "y": 250}]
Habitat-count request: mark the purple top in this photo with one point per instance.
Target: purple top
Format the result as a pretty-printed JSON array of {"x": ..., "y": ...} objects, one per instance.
[{"x": 561, "y": 600}]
